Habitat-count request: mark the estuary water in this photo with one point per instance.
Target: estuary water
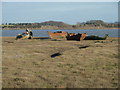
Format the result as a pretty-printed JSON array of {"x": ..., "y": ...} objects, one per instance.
[{"x": 44, "y": 33}]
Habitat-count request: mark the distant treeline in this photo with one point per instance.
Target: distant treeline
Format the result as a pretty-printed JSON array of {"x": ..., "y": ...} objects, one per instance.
[{"x": 60, "y": 25}]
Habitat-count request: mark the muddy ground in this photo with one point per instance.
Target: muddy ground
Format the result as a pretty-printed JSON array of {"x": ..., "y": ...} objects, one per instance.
[{"x": 45, "y": 63}]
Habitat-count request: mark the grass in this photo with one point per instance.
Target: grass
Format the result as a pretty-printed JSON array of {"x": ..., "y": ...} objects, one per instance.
[{"x": 28, "y": 64}]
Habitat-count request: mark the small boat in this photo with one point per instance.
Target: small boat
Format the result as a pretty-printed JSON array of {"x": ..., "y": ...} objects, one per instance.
[
  {"x": 57, "y": 35},
  {"x": 93, "y": 37},
  {"x": 66, "y": 35},
  {"x": 24, "y": 35},
  {"x": 77, "y": 37}
]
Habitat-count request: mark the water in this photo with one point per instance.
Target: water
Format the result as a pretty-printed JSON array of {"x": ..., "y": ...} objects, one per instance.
[{"x": 43, "y": 33}]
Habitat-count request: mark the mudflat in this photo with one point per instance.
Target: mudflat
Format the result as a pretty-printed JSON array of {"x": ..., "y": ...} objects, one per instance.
[{"x": 45, "y": 63}]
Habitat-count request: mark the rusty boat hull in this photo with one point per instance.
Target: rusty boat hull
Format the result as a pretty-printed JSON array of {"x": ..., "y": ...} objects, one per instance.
[
  {"x": 57, "y": 35},
  {"x": 77, "y": 37}
]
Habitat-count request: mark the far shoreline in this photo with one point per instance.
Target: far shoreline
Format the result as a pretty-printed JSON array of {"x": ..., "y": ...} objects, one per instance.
[{"x": 62, "y": 29}]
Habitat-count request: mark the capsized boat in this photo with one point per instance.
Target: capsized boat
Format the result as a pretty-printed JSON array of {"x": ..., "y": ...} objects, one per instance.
[{"x": 93, "y": 37}]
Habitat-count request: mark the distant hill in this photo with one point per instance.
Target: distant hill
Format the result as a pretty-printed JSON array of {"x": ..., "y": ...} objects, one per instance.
[
  {"x": 92, "y": 24},
  {"x": 54, "y": 23}
]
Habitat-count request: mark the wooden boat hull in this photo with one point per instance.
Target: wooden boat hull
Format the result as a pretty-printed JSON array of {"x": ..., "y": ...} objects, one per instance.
[
  {"x": 57, "y": 35},
  {"x": 66, "y": 35}
]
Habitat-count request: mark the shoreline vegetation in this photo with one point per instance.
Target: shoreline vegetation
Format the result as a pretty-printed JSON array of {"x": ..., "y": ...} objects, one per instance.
[
  {"x": 55, "y": 25},
  {"x": 84, "y": 28}
]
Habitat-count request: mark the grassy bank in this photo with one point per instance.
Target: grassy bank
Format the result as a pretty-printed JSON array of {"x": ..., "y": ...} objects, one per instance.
[{"x": 78, "y": 64}]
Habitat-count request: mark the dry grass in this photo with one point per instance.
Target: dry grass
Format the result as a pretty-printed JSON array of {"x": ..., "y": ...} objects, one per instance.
[{"x": 28, "y": 64}]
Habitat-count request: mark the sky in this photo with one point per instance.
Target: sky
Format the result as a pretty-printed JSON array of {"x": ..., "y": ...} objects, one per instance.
[{"x": 68, "y": 12}]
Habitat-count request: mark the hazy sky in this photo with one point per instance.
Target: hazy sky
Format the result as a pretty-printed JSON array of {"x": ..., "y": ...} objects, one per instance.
[{"x": 68, "y": 12}]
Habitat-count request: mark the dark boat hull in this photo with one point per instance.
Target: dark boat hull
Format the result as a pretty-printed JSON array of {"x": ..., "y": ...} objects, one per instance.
[
  {"x": 77, "y": 37},
  {"x": 92, "y": 37}
]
